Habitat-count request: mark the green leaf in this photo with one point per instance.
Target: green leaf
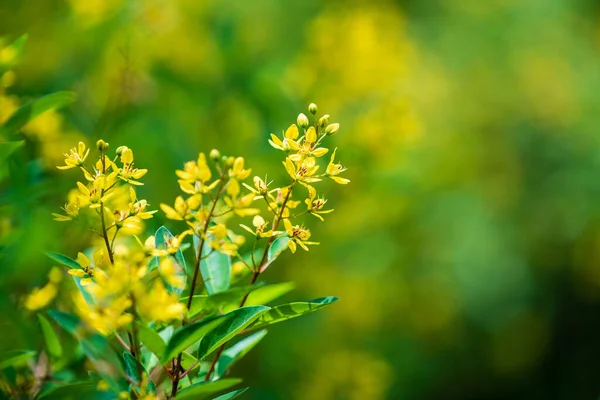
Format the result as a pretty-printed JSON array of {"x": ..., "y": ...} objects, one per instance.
[
  {"x": 237, "y": 321},
  {"x": 32, "y": 109},
  {"x": 231, "y": 395},
  {"x": 205, "y": 390},
  {"x": 268, "y": 293},
  {"x": 215, "y": 268},
  {"x": 76, "y": 390},
  {"x": 68, "y": 322},
  {"x": 292, "y": 310},
  {"x": 277, "y": 247},
  {"x": 16, "y": 358},
  {"x": 131, "y": 367},
  {"x": 161, "y": 238},
  {"x": 151, "y": 340},
  {"x": 7, "y": 148},
  {"x": 64, "y": 260},
  {"x": 189, "y": 334},
  {"x": 230, "y": 297},
  {"x": 234, "y": 353},
  {"x": 16, "y": 48},
  {"x": 52, "y": 343}
]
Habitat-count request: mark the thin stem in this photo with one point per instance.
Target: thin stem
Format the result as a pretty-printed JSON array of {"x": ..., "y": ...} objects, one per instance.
[
  {"x": 177, "y": 364},
  {"x": 256, "y": 273}
]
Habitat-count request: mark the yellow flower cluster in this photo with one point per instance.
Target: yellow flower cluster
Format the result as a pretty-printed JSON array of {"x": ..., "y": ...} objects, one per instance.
[
  {"x": 42, "y": 297},
  {"x": 117, "y": 278}
]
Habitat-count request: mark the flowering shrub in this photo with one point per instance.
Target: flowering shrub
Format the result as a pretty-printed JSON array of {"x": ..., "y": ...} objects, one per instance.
[{"x": 178, "y": 326}]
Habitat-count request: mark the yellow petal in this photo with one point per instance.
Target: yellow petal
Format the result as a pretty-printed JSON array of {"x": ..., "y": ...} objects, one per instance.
[{"x": 292, "y": 132}]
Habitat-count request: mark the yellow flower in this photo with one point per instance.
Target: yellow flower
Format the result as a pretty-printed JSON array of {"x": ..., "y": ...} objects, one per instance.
[
  {"x": 170, "y": 273},
  {"x": 41, "y": 297},
  {"x": 315, "y": 204},
  {"x": 241, "y": 205},
  {"x": 91, "y": 195},
  {"x": 182, "y": 208},
  {"x": 334, "y": 169},
  {"x": 195, "y": 171},
  {"x": 159, "y": 305},
  {"x": 298, "y": 236},
  {"x": 289, "y": 140},
  {"x": 237, "y": 171},
  {"x": 304, "y": 171},
  {"x": 260, "y": 225},
  {"x": 75, "y": 157},
  {"x": 71, "y": 210}
]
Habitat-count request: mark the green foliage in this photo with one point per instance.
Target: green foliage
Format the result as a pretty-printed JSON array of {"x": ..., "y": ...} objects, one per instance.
[
  {"x": 292, "y": 310},
  {"x": 52, "y": 343},
  {"x": 204, "y": 390},
  {"x": 187, "y": 335},
  {"x": 215, "y": 268}
]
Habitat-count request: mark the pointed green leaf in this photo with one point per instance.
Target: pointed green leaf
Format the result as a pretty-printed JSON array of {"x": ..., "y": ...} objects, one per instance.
[
  {"x": 16, "y": 358},
  {"x": 7, "y": 148},
  {"x": 32, "y": 109},
  {"x": 52, "y": 343},
  {"x": 231, "y": 395},
  {"x": 131, "y": 367},
  {"x": 189, "y": 334},
  {"x": 205, "y": 390},
  {"x": 68, "y": 322},
  {"x": 208, "y": 304},
  {"x": 76, "y": 390},
  {"x": 237, "y": 321},
  {"x": 292, "y": 310},
  {"x": 277, "y": 247},
  {"x": 215, "y": 268},
  {"x": 234, "y": 353},
  {"x": 162, "y": 237},
  {"x": 151, "y": 340},
  {"x": 268, "y": 293},
  {"x": 63, "y": 260}
]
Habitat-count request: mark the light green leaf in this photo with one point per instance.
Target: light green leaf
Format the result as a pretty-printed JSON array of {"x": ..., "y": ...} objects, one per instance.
[
  {"x": 234, "y": 353},
  {"x": 63, "y": 260},
  {"x": 231, "y": 395},
  {"x": 268, "y": 293},
  {"x": 16, "y": 48},
  {"x": 208, "y": 304},
  {"x": 32, "y": 109},
  {"x": 7, "y": 148},
  {"x": 151, "y": 340},
  {"x": 162, "y": 237},
  {"x": 205, "y": 390},
  {"x": 189, "y": 334},
  {"x": 52, "y": 343},
  {"x": 277, "y": 247},
  {"x": 76, "y": 390},
  {"x": 292, "y": 310},
  {"x": 68, "y": 322},
  {"x": 215, "y": 268},
  {"x": 16, "y": 358},
  {"x": 237, "y": 320}
]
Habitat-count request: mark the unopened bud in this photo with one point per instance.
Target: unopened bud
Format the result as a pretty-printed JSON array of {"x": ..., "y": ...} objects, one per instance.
[
  {"x": 302, "y": 121},
  {"x": 230, "y": 161},
  {"x": 102, "y": 145},
  {"x": 324, "y": 120},
  {"x": 312, "y": 108},
  {"x": 121, "y": 149},
  {"x": 332, "y": 129},
  {"x": 214, "y": 155}
]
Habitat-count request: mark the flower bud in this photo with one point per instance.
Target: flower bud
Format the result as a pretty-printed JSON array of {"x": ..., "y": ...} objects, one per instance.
[
  {"x": 324, "y": 120},
  {"x": 102, "y": 145},
  {"x": 312, "y": 108},
  {"x": 302, "y": 121},
  {"x": 332, "y": 129},
  {"x": 230, "y": 161},
  {"x": 121, "y": 149},
  {"x": 215, "y": 155}
]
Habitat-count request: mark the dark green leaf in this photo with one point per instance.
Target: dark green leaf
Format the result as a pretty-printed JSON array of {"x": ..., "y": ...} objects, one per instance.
[
  {"x": 215, "y": 268},
  {"x": 7, "y": 148},
  {"x": 68, "y": 322},
  {"x": 231, "y": 355},
  {"x": 52, "y": 343},
  {"x": 77, "y": 390},
  {"x": 237, "y": 320},
  {"x": 64, "y": 260},
  {"x": 131, "y": 367},
  {"x": 151, "y": 340},
  {"x": 205, "y": 390},
  {"x": 190, "y": 334},
  {"x": 32, "y": 109},
  {"x": 16, "y": 358},
  {"x": 292, "y": 310},
  {"x": 231, "y": 395}
]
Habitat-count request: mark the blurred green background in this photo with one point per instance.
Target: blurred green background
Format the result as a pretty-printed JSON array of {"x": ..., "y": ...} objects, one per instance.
[{"x": 466, "y": 251}]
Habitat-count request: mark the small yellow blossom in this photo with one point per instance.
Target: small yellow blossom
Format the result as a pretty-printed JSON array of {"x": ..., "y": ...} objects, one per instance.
[
  {"x": 260, "y": 225},
  {"x": 298, "y": 236},
  {"x": 75, "y": 157},
  {"x": 41, "y": 297},
  {"x": 315, "y": 204},
  {"x": 335, "y": 169}
]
